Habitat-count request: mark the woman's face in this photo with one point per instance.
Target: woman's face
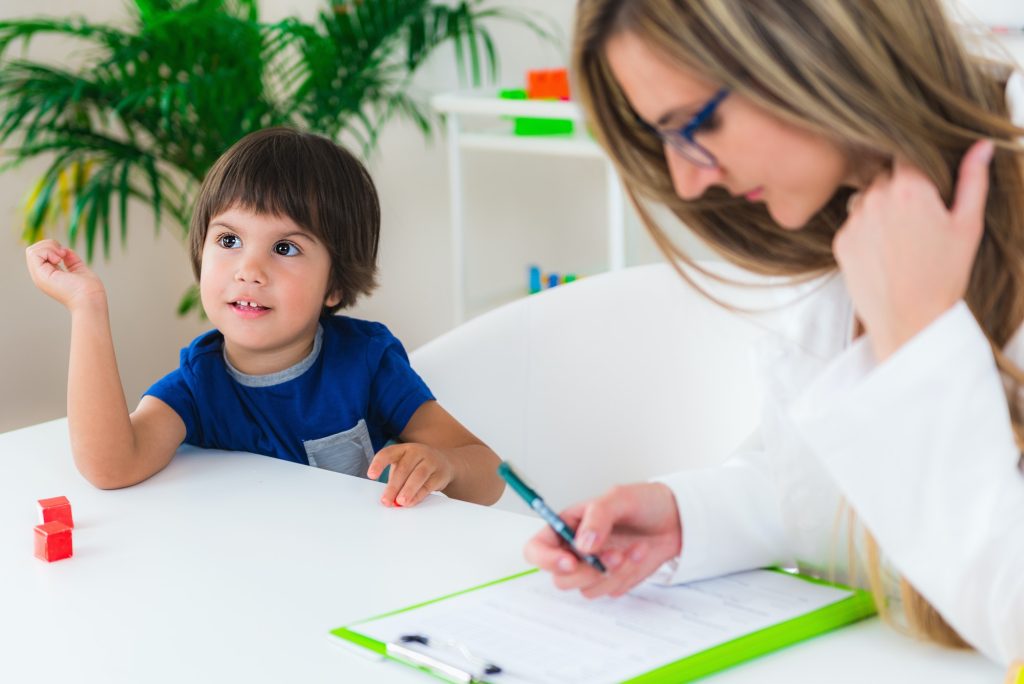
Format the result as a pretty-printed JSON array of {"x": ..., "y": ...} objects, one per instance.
[{"x": 760, "y": 157}]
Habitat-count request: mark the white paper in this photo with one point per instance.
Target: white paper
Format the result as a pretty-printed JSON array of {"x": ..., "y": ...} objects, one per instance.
[{"x": 539, "y": 634}]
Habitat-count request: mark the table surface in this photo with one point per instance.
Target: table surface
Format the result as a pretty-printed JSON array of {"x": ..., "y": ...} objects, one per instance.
[{"x": 233, "y": 567}]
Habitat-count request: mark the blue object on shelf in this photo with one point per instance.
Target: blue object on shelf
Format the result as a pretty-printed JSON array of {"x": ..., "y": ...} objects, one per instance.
[{"x": 534, "y": 279}]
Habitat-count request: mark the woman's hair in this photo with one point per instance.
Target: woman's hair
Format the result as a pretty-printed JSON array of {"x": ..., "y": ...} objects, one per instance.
[
  {"x": 316, "y": 183},
  {"x": 876, "y": 77}
]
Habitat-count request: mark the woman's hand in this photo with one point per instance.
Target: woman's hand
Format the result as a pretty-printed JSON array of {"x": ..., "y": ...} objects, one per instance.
[
  {"x": 416, "y": 471},
  {"x": 61, "y": 274},
  {"x": 905, "y": 257},
  {"x": 633, "y": 529}
]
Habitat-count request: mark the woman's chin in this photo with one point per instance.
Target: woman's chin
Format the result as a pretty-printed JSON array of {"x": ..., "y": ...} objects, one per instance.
[{"x": 788, "y": 218}]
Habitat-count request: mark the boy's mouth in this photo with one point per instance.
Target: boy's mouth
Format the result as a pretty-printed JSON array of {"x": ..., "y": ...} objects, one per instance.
[{"x": 247, "y": 306}]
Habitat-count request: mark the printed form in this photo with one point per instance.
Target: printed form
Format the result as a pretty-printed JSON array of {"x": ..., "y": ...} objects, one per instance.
[{"x": 538, "y": 634}]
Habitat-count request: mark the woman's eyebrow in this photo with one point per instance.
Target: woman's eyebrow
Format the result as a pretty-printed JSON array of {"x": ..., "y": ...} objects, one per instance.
[{"x": 681, "y": 112}]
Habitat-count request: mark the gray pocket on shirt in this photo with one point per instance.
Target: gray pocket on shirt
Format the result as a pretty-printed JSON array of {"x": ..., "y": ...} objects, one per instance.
[{"x": 348, "y": 452}]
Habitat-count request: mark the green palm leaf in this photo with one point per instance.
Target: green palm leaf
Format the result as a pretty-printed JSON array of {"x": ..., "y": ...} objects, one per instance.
[{"x": 154, "y": 104}]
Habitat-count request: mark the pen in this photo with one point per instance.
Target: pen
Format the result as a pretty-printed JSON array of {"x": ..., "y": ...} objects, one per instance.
[{"x": 560, "y": 527}]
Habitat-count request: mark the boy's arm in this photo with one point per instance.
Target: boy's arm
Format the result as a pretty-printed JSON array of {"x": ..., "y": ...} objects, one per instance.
[
  {"x": 111, "y": 448},
  {"x": 437, "y": 452}
]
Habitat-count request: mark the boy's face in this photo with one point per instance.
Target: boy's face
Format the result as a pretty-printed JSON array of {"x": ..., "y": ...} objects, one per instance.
[{"x": 263, "y": 284}]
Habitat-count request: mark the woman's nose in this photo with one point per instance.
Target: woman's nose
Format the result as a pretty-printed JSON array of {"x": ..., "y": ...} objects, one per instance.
[{"x": 689, "y": 180}]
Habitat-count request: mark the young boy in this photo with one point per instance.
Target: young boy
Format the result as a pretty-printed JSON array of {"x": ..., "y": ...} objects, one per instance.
[{"x": 284, "y": 233}]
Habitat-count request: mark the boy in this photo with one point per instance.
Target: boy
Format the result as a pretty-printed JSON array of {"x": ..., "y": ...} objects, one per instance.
[{"x": 284, "y": 233}]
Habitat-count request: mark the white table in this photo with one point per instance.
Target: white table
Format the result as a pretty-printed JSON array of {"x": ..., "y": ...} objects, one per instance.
[{"x": 230, "y": 567}]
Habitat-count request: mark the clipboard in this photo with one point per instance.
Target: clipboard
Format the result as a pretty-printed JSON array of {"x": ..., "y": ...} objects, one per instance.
[{"x": 420, "y": 636}]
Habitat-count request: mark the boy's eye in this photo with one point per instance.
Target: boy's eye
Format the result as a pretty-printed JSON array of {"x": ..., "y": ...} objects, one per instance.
[
  {"x": 229, "y": 241},
  {"x": 286, "y": 249}
]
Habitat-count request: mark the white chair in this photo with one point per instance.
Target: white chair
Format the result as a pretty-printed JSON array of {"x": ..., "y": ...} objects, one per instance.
[{"x": 611, "y": 379}]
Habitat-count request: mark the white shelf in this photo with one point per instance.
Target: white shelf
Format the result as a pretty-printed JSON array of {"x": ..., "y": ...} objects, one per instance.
[
  {"x": 571, "y": 145},
  {"x": 578, "y": 144},
  {"x": 487, "y": 103}
]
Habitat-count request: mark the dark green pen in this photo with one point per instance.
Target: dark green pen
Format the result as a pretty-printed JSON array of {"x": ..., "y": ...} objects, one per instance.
[{"x": 560, "y": 527}]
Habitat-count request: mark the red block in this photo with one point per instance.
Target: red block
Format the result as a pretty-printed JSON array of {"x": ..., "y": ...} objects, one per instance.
[
  {"x": 53, "y": 541},
  {"x": 547, "y": 84},
  {"x": 58, "y": 508}
]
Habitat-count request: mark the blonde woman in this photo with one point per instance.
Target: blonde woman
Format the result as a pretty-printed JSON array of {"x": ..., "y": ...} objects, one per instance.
[{"x": 857, "y": 146}]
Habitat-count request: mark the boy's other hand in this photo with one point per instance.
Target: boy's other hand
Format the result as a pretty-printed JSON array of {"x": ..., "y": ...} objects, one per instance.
[
  {"x": 61, "y": 274},
  {"x": 416, "y": 470}
]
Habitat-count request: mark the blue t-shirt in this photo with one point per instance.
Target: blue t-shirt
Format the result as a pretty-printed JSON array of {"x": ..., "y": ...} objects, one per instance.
[{"x": 334, "y": 409}]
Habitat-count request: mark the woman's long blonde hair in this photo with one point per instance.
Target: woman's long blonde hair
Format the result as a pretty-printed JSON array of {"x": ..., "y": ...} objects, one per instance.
[{"x": 877, "y": 77}]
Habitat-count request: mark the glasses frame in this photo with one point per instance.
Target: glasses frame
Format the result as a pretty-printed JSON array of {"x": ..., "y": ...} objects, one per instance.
[{"x": 682, "y": 139}]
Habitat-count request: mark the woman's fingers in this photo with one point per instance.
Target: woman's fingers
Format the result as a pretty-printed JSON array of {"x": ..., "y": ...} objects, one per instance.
[
  {"x": 545, "y": 550},
  {"x": 972, "y": 187},
  {"x": 602, "y": 515}
]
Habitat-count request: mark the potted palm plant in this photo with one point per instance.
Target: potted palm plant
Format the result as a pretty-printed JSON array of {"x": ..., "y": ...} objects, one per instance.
[{"x": 155, "y": 103}]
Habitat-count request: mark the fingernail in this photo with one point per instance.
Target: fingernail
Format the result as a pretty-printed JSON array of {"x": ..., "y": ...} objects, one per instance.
[
  {"x": 637, "y": 554},
  {"x": 587, "y": 540},
  {"x": 989, "y": 150},
  {"x": 400, "y": 501},
  {"x": 612, "y": 560},
  {"x": 565, "y": 565}
]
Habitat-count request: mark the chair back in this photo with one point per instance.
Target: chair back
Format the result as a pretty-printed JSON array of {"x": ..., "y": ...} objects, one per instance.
[{"x": 612, "y": 379}]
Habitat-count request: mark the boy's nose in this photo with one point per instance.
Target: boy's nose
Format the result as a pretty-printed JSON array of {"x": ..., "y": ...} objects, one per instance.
[
  {"x": 689, "y": 180},
  {"x": 250, "y": 270}
]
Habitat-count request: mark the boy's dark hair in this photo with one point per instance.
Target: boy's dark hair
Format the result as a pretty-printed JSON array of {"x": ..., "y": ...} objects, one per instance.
[{"x": 311, "y": 180}]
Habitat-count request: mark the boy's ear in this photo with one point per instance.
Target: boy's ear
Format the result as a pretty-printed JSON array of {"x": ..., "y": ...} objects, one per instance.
[{"x": 333, "y": 299}]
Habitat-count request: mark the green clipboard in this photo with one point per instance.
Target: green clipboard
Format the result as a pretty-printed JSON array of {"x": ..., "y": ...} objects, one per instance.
[{"x": 857, "y": 605}]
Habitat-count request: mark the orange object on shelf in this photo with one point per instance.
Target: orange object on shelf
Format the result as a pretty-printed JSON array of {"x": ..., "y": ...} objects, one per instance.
[{"x": 547, "y": 84}]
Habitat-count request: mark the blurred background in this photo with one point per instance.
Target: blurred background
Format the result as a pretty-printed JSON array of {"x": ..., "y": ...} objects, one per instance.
[{"x": 519, "y": 209}]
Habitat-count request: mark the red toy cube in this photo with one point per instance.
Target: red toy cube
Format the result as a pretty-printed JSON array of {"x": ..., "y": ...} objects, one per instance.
[
  {"x": 53, "y": 541},
  {"x": 58, "y": 508},
  {"x": 547, "y": 84}
]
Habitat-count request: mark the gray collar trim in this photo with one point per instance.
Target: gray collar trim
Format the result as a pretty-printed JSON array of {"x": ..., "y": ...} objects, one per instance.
[{"x": 271, "y": 379}]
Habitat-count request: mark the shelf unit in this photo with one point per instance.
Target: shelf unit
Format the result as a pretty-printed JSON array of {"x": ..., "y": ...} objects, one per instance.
[{"x": 458, "y": 107}]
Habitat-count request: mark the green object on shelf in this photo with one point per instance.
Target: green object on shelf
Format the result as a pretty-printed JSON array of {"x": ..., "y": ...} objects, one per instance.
[{"x": 534, "y": 126}]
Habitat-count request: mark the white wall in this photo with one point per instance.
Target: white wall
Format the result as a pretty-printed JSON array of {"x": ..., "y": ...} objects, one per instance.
[{"x": 522, "y": 209}]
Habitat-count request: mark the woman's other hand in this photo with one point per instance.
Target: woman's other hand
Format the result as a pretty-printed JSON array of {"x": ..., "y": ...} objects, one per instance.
[{"x": 905, "y": 257}]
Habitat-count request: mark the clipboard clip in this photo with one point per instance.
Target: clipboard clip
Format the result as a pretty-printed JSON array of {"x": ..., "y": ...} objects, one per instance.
[{"x": 479, "y": 669}]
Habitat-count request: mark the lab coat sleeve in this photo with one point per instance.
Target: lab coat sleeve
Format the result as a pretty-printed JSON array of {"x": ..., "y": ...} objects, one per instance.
[
  {"x": 729, "y": 516},
  {"x": 922, "y": 448}
]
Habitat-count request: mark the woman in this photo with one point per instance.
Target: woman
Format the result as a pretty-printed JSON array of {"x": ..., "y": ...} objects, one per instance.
[{"x": 806, "y": 138}]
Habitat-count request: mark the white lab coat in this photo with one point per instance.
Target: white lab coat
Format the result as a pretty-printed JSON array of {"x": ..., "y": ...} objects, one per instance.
[{"x": 920, "y": 446}]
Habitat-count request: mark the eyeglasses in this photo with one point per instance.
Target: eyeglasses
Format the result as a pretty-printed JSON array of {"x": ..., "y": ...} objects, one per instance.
[{"x": 681, "y": 139}]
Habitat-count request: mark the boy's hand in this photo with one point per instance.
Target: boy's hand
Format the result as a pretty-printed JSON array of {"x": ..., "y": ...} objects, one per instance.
[
  {"x": 71, "y": 284},
  {"x": 416, "y": 470}
]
